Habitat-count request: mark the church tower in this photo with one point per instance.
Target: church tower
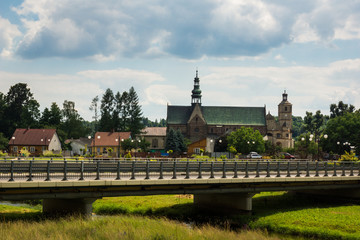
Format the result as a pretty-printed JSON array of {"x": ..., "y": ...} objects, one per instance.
[
  {"x": 285, "y": 116},
  {"x": 196, "y": 92}
]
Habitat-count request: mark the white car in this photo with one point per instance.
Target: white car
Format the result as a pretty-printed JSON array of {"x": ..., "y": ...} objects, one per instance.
[{"x": 254, "y": 155}]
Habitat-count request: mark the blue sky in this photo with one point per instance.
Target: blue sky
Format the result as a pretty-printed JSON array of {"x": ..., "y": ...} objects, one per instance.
[{"x": 247, "y": 52}]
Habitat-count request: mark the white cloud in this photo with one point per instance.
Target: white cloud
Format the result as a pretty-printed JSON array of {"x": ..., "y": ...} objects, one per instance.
[{"x": 8, "y": 33}]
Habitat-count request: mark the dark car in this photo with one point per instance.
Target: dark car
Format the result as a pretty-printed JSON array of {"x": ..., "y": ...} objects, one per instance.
[{"x": 288, "y": 156}]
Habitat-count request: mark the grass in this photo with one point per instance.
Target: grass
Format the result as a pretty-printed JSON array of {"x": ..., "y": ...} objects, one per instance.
[
  {"x": 277, "y": 212},
  {"x": 110, "y": 227}
]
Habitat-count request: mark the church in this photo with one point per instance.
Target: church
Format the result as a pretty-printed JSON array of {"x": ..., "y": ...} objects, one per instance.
[{"x": 204, "y": 126}]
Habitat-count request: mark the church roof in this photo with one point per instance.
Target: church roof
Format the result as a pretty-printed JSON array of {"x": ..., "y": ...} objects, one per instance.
[{"x": 217, "y": 115}]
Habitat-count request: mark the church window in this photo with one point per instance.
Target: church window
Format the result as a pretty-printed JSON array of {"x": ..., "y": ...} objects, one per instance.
[
  {"x": 196, "y": 119},
  {"x": 287, "y": 135},
  {"x": 212, "y": 130},
  {"x": 285, "y": 108},
  {"x": 278, "y": 135},
  {"x": 196, "y": 129}
]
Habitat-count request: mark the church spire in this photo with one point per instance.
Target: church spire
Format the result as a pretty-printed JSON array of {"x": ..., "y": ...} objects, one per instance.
[{"x": 196, "y": 92}]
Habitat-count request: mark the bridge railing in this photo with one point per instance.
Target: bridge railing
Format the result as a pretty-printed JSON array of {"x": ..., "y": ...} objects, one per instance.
[{"x": 30, "y": 170}]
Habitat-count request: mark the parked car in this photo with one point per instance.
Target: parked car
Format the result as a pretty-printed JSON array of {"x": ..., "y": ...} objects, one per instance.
[
  {"x": 288, "y": 156},
  {"x": 254, "y": 155}
]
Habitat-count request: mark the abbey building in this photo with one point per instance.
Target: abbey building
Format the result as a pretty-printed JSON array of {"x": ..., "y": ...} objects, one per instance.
[{"x": 203, "y": 125}]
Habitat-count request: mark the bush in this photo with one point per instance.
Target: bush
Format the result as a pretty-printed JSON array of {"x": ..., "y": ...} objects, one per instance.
[
  {"x": 128, "y": 155},
  {"x": 2, "y": 154},
  {"x": 48, "y": 153},
  {"x": 348, "y": 157},
  {"x": 24, "y": 152}
]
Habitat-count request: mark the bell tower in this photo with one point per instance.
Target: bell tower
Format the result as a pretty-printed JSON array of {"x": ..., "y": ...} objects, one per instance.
[
  {"x": 285, "y": 114},
  {"x": 196, "y": 92}
]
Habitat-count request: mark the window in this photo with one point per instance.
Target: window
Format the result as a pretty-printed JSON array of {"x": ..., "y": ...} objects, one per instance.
[
  {"x": 196, "y": 129},
  {"x": 32, "y": 149},
  {"x": 287, "y": 135},
  {"x": 197, "y": 150},
  {"x": 43, "y": 148},
  {"x": 278, "y": 135},
  {"x": 212, "y": 130},
  {"x": 98, "y": 150},
  {"x": 15, "y": 149},
  {"x": 285, "y": 109}
]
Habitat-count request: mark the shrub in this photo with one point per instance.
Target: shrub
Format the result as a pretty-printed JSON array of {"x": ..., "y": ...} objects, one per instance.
[
  {"x": 348, "y": 156},
  {"x": 2, "y": 154},
  {"x": 48, "y": 153},
  {"x": 24, "y": 152},
  {"x": 128, "y": 155}
]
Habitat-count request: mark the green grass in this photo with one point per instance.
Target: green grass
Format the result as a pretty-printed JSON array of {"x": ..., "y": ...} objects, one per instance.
[{"x": 277, "y": 212}]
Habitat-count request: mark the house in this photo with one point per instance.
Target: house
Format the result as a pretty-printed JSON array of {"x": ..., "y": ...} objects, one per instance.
[
  {"x": 103, "y": 141},
  {"x": 80, "y": 146},
  {"x": 36, "y": 141},
  {"x": 156, "y": 137}
]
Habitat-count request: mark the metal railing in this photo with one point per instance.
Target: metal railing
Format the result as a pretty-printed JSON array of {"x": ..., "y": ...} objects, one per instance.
[{"x": 30, "y": 170}]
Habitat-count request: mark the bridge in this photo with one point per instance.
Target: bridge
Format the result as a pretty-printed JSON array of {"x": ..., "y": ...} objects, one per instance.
[{"x": 70, "y": 186}]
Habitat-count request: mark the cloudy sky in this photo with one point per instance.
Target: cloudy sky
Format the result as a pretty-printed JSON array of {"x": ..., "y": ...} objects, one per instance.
[{"x": 247, "y": 52}]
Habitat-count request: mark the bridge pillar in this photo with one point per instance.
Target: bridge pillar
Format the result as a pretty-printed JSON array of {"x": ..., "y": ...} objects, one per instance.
[
  {"x": 225, "y": 202},
  {"x": 82, "y": 206}
]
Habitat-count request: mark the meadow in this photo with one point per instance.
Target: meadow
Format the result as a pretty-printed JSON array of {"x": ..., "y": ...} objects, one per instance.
[{"x": 276, "y": 215}]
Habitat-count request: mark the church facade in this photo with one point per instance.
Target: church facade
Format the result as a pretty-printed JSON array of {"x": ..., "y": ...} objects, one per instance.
[{"x": 206, "y": 124}]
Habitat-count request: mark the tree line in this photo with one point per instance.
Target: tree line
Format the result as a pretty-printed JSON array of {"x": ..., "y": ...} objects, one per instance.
[{"x": 119, "y": 112}]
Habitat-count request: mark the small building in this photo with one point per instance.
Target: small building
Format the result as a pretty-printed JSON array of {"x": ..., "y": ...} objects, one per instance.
[
  {"x": 36, "y": 141},
  {"x": 156, "y": 137},
  {"x": 102, "y": 141},
  {"x": 80, "y": 146}
]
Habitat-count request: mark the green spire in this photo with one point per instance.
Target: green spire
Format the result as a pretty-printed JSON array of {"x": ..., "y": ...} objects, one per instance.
[{"x": 196, "y": 92}]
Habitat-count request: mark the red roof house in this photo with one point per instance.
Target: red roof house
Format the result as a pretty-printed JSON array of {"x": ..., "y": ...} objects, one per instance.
[{"x": 34, "y": 140}]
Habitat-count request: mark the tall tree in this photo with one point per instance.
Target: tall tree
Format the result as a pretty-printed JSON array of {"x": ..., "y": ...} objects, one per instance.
[
  {"x": 314, "y": 123},
  {"x": 340, "y": 109},
  {"x": 21, "y": 108},
  {"x": 106, "y": 109},
  {"x": 124, "y": 126},
  {"x": 94, "y": 107},
  {"x": 117, "y": 111},
  {"x": 135, "y": 114},
  {"x": 55, "y": 115},
  {"x": 73, "y": 124}
]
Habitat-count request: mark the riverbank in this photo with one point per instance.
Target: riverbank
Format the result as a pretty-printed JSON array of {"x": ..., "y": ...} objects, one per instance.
[{"x": 280, "y": 213}]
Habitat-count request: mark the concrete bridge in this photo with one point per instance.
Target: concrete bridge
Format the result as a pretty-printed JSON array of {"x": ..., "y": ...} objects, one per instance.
[{"x": 72, "y": 186}]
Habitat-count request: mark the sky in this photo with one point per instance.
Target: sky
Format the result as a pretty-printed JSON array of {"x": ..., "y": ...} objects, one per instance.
[{"x": 247, "y": 52}]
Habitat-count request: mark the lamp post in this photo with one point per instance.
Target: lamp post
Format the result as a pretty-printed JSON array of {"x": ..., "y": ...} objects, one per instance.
[
  {"x": 325, "y": 137},
  {"x": 13, "y": 138}
]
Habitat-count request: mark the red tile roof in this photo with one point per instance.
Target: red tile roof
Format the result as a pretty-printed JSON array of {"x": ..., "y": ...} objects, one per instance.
[
  {"x": 32, "y": 137},
  {"x": 154, "y": 131},
  {"x": 107, "y": 139}
]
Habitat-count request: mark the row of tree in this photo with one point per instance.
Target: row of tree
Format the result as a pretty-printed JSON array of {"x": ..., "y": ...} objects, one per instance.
[{"x": 119, "y": 112}]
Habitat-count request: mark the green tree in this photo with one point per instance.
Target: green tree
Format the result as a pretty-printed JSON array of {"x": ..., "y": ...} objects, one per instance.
[
  {"x": 117, "y": 111},
  {"x": 45, "y": 117},
  {"x": 107, "y": 107},
  {"x": 341, "y": 129},
  {"x": 135, "y": 114},
  {"x": 315, "y": 123},
  {"x": 128, "y": 144},
  {"x": 73, "y": 124},
  {"x": 22, "y": 110},
  {"x": 246, "y": 140},
  {"x": 55, "y": 115},
  {"x": 305, "y": 145},
  {"x": 144, "y": 145},
  {"x": 297, "y": 126},
  {"x": 3, "y": 141},
  {"x": 340, "y": 109},
  {"x": 173, "y": 142}
]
